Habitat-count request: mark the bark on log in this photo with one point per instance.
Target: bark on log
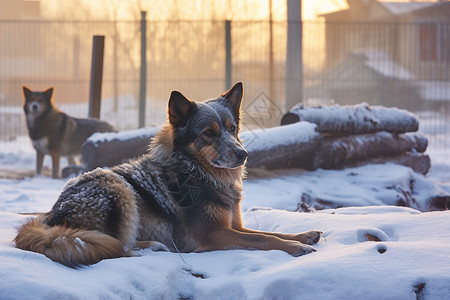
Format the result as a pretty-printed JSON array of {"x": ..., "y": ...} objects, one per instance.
[
  {"x": 336, "y": 152},
  {"x": 272, "y": 147},
  {"x": 112, "y": 148},
  {"x": 439, "y": 203},
  {"x": 418, "y": 162},
  {"x": 356, "y": 119}
]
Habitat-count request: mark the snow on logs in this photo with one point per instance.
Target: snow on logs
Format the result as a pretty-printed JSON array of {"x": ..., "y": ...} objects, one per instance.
[
  {"x": 111, "y": 148},
  {"x": 275, "y": 147},
  {"x": 355, "y": 119},
  {"x": 332, "y": 137},
  {"x": 360, "y": 134}
]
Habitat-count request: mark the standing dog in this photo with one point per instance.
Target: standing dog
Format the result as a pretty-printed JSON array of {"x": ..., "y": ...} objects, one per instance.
[
  {"x": 55, "y": 133},
  {"x": 185, "y": 194}
]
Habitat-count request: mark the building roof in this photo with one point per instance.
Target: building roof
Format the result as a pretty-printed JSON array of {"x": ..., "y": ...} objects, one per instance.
[
  {"x": 391, "y": 8},
  {"x": 434, "y": 90},
  {"x": 402, "y": 8},
  {"x": 381, "y": 62}
]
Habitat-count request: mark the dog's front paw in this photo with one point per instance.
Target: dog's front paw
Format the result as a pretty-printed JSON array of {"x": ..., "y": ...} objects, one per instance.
[
  {"x": 152, "y": 245},
  {"x": 157, "y": 246},
  {"x": 297, "y": 249},
  {"x": 309, "y": 237}
]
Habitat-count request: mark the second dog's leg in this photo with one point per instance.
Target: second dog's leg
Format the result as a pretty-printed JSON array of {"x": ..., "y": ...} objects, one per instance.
[
  {"x": 39, "y": 162},
  {"x": 55, "y": 163}
]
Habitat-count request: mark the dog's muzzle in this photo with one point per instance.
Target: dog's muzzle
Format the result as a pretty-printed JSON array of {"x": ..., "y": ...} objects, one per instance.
[
  {"x": 232, "y": 159},
  {"x": 241, "y": 155},
  {"x": 34, "y": 107}
]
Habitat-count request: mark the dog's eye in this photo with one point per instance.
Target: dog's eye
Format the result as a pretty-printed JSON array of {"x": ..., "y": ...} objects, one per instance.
[
  {"x": 208, "y": 133},
  {"x": 232, "y": 128}
]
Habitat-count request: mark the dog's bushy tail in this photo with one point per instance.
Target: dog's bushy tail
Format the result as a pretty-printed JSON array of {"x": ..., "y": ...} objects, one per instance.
[{"x": 69, "y": 246}]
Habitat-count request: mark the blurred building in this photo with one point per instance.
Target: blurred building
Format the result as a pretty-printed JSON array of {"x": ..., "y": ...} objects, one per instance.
[{"x": 399, "y": 49}]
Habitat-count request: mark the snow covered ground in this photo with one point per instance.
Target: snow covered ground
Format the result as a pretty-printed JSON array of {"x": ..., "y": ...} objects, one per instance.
[{"x": 410, "y": 260}]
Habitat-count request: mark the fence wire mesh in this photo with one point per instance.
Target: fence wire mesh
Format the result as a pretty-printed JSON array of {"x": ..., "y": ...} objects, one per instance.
[{"x": 406, "y": 65}]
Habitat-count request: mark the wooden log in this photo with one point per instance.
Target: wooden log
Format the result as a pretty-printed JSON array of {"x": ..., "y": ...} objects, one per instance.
[
  {"x": 295, "y": 145},
  {"x": 336, "y": 152},
  {"x": 112, "y": 148},
  {"x": 439, "y": 203},
  {"x": 273, "y": 147},
  {"x": 266, "y": 147},
  {"x": 418, "y": 162},
  {"x": 356, "y": 119},
  {"x": 95, "y": 88}
]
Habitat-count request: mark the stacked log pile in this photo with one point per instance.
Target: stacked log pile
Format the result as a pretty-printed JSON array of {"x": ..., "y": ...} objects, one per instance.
[
  {"x": 360, "y": 134},
  {"x": 327, "y": 137}
]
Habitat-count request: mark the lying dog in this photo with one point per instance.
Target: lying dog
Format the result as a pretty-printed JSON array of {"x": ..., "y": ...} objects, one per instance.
[
  {"x": 185, "y": 193},
  {"x": 55, "y": 133}
]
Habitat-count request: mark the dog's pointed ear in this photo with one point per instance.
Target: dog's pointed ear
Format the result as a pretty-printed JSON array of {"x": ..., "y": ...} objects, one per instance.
[
  {"x": 180, "y": 109},
  {"x": 26, "y": 92},
  {"x": 48, "y": 93},
  {"x": 234, "y": 98}
]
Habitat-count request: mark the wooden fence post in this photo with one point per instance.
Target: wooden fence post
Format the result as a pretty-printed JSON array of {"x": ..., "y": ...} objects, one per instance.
[{"x": 95, "y": 89}]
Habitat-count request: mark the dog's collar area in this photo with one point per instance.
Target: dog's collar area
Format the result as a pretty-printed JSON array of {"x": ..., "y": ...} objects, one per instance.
[
  {"x": 186, "y": 191},
  {"x": 191, "y": 169}
]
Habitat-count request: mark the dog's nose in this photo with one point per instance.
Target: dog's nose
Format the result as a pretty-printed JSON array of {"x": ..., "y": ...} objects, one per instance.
[{"x": 241, "y": 154}]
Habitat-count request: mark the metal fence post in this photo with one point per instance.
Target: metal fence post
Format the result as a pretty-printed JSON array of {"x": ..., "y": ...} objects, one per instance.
[
  {"x": 115, "y": 68},
  {"x": 228, "y": 69},
  {"x": 143, "y": 73},
  {"x": 294, "y": 55},
  {"x": 95, "y": 89}
]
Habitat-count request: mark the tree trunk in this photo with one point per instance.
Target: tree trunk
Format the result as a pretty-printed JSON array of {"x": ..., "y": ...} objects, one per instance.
[{"x": 355, "y": 119}]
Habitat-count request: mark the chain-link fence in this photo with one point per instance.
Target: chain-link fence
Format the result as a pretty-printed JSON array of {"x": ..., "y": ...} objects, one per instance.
[{"x": 393, "y": 64}]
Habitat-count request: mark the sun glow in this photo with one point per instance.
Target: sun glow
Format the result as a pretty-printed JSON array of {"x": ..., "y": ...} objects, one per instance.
[{"x": 184, "y": 10}]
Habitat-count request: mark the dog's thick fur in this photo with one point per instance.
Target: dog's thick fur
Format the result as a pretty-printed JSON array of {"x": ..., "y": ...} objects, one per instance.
[
  {"x": 55, "y": 133},
  {"x": 185, "y": 194}
]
